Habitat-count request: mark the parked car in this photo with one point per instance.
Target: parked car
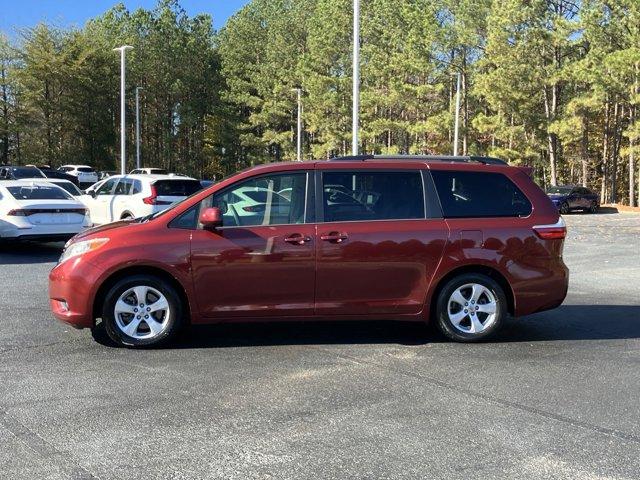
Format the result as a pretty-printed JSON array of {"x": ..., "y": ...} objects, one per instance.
[
  {"x": 38, "y": 210},
  {"x": 430, "y": 245},
  {"x": 57, "y": 174},
  {"x": 567, "y": 198},
  {"x": 86, "y": 175},
  {"x": 8, "y": 172},
  {"x": 149, "y": 171},
  {"x": 67, "y": 186},
  {"x": 131, "y": 196}
]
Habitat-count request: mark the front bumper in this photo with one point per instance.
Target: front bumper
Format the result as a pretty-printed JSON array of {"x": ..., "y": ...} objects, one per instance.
[{"x": 71, "y": 292}]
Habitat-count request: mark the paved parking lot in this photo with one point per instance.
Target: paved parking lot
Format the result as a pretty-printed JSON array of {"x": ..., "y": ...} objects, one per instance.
[{"x": 556, "y": 396}]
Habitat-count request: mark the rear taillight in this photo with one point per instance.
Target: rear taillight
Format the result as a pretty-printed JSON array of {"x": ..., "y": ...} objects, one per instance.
[
  {"x": 152, "y": 199},
  {"x": 555, "y": 231},
  {"x": 19, "y": 212}
]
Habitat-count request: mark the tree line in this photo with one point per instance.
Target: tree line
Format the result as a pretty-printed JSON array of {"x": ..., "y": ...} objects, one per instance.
[{"x": 553, "y": 84}]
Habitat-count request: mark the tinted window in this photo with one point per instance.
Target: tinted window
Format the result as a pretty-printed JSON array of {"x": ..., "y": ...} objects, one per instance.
[
  {"x": 240, "y": 207},
  {"x": 123, "y": 187},
  {"x": 177, "y": 188},
  {"x": 69, "y": 188},
  {"x": 479, "y": 194},
  {"x": 27, "y": 172},
  {"x": 352, "y": 196},
  {"x": 559, "y": 190},
  {"x": 85, "y": 169},
  {"x": 107, "y": 187},
  {"x": 137, "y": 187},
  {"x": 188, "y": 219},
  {"x": 38, "y": 192}
]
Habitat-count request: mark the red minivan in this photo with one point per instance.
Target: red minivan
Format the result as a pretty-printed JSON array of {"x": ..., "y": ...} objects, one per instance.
[{"x": 462, "y": 241}]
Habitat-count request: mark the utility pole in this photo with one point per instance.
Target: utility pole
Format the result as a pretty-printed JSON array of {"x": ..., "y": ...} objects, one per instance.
[
  {"x": 123, "y": 157},
  {"x": 298, "y": 89},
  {"x": 457, "y": 125},
  {"x": 138, "y": 127},
  {"x": 356, "y": 77}
]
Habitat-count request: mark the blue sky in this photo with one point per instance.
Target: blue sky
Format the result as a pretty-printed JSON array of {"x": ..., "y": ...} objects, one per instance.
[{"x": 15, "y": 14}]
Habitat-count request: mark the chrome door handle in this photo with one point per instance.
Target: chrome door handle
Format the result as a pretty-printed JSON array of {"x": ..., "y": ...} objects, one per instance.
[
  {"x": 334, "y": 237},
  {"x": 297, "y": 239}
]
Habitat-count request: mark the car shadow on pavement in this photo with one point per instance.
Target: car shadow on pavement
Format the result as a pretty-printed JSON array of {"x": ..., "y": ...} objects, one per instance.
[
  {"x": 568, "y": 322},
  {"x": 24, "y": 253}
]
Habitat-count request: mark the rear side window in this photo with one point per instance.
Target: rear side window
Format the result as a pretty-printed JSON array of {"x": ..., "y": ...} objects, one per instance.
[
  {"x": 479, "y": 194},
  {"x": 177, "y": 188},
  {"x": 366, "y": 195},
  {"x": 38, "y": 192}
]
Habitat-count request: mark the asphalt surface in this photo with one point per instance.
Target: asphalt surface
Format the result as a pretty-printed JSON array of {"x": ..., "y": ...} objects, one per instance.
[{"x": 555, "y": 396}]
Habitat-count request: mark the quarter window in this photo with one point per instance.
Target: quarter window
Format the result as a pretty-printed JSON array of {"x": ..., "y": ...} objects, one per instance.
[
  {"x": 355, "y": 196},
  {"x": 479, "y": 194},
  {"x": 257, "y": 201}
]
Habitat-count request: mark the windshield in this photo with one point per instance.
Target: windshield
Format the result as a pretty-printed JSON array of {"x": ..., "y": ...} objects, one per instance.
[
  {"x": 38, "y": 192},
  {"x": 70, "y": 188},
  {"x": 561, "y": 190},
  {"x": 27, "y": 172}
]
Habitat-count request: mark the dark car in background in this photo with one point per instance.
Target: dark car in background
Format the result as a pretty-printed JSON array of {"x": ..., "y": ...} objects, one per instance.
[
  {"x": 8, "y": 172},
  {"x": 568, "y": 198},
  {"x": 50, "y": 173}
]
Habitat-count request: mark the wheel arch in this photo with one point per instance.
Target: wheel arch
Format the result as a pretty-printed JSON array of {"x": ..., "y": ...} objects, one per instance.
[
  {"x": 475, "y": 268},
  {"x": 125, "y": 214},
  {"x": 118, "y": 275}
]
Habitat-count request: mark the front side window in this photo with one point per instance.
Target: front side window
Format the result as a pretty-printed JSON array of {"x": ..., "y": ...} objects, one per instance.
[
  {"x": 107, "y": 187},
  {"x": 257, "y": 202},
  {"x": 123, "y": 187},
  {"x": 366, "y": 195},
  {"x": 479, "y": 194}
]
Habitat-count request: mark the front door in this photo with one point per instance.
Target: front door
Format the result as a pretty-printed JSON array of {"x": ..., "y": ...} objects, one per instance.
[
  {"x": 376, "y": 249},
  {"x": 261, "y": 262},
  {"x": 99, "y": 205}
]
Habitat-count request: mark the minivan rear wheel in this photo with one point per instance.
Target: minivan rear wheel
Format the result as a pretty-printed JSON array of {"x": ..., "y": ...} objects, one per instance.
[
  {"x": 142, "y": 310},
  {"x": 470, "y": 307}
]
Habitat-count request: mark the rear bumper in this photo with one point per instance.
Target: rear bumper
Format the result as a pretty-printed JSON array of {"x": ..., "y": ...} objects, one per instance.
[
  {"x": 545, "y": 292},
  {"x": 71, "y": 291}
]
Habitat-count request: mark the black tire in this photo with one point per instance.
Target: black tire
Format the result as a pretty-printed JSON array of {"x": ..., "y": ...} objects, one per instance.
[
  {"x": 173, "y": 316},
  {"x": 594, "y": 207},
  {"x": 564, "y": 208},
  {"x": 446, "y": 326}
]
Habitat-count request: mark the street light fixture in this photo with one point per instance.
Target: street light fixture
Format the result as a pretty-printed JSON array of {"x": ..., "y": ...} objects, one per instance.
[{"x": 123, "y": 159}]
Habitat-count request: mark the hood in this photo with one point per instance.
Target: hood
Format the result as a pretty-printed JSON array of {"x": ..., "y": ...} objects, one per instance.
[{"x": 103, "y": 228}]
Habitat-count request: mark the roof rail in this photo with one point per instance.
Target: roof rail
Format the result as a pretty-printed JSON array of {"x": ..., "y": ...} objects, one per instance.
[{"x": 422, "y": 158}]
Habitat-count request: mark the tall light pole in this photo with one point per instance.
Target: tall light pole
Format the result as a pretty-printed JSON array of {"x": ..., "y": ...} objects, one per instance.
[
  {"x": 123, "y": 157},
  {"x": 356, "y": 77},
  {"x": 457, "y": 125},
  {"x": 299, "y": 138},
  {"x": 138, "y": 126}
]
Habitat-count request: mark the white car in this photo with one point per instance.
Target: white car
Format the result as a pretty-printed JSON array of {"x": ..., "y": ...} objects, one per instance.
[
  {"x": 39, "y": 210},
  {"x": 149, "y": 171},
  {"x": 86, "y": 174},
  {"x": 132, "y": 196},
  {"x": 252, "y": 201}
]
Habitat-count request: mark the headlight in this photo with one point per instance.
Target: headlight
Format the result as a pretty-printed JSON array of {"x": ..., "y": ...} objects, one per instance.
[{"x": 80, "y": 248}]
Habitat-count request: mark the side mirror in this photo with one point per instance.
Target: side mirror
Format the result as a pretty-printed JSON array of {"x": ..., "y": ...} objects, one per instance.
[
  {"x": 210, "y": 218},
  {"x": 92, "y": 193}
]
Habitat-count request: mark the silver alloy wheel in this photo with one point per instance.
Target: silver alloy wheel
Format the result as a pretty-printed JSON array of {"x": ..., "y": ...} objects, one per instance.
[
  {"x": 472, "y": 308},
  {"x": 142, "y": 312}
]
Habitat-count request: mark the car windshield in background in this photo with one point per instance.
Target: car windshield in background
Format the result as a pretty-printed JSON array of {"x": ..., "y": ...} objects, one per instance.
[
  {"x": 27, "y": 172},
  {"x": 70, "y": 188},
  {"x": 38, "y": 192},
  {"x": 560, "y": 190},
  {"x": 176, "y": 188},
  {"x": 85, "y": 169}
]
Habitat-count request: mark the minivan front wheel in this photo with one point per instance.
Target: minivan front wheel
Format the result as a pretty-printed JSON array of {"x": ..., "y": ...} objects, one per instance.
[
  {"x": 471, "y": 307},
  {"x": 141, "y": 310}
]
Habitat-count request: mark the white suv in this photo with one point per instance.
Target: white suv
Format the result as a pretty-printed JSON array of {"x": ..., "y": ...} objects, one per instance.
[
  {"x": 133, "y": 196},
  {"x": 86, "y": 174}
]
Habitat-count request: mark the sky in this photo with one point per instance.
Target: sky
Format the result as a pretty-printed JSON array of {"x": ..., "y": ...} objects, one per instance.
[{"x": 16, "y": 14}]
